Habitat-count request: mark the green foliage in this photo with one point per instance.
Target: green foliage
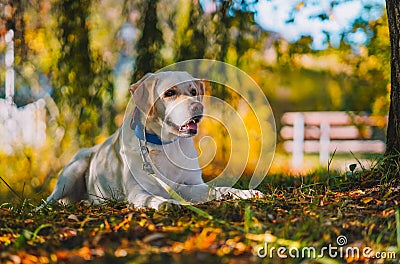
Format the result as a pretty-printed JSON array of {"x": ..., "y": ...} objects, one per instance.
[
  {"x": 150, "y": 44},
  {"x": 82, "y": 79},
  {"x": 190, "y": 33}
]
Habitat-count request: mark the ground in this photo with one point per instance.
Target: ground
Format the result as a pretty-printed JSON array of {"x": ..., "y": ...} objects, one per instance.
[{"x": 320, "y": 211}]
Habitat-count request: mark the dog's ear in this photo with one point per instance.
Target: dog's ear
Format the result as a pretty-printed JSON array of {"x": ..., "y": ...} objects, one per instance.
[
  {"x": 202, "y": 88},
  {"x": 143, "y": 93},
  {"x": 136, "y": 85}
]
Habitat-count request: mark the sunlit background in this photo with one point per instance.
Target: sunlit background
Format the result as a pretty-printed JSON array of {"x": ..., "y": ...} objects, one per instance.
[{"x": 74, "y": 61}]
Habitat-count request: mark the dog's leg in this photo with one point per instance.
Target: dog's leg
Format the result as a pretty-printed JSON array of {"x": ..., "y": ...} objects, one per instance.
[
  {"x": 70, "y": 186},
  {"x": 141, "y": 199}
]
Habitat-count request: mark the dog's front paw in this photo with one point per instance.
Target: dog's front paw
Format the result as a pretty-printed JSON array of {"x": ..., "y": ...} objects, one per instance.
[
  {"x": 248, "y": 194},
  {"x": 169, "y": 205},
  {"x": 232, "y": 193}
]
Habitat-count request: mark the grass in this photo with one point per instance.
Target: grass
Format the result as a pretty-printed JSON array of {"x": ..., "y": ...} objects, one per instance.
[{"x": 297, "y": 212}]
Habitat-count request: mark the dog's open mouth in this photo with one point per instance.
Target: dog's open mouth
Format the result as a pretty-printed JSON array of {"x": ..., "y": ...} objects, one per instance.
[{"x": 190, "y": 127}]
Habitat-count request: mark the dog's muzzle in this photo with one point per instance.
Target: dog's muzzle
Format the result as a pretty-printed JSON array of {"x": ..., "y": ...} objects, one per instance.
[{"x": 190, "y": 127}]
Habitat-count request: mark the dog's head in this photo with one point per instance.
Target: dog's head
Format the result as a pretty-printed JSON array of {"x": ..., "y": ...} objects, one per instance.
[{"x": 171, "y": 103}]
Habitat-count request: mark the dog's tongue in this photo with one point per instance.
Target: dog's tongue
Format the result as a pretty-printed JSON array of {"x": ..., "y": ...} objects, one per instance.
[{"x": 192, "y": 126}]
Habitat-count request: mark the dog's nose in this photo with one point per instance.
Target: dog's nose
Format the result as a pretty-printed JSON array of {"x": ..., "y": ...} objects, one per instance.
[{"x": 196, "y": 108}]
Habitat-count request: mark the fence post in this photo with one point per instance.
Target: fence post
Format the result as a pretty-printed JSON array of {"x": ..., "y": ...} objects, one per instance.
[
  {"x": 298, "y": 141},
  {"x": 324, "y": 142},
  {"x": 9, "y": 60}
]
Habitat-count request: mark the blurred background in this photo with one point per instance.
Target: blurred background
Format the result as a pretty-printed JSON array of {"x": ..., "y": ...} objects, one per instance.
[{"x": 73, "y": 61}]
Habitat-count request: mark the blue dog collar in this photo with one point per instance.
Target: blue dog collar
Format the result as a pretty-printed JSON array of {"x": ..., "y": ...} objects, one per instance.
[
  {"x": 152, "y": 138},
  {"x": 140, "y": 132}
]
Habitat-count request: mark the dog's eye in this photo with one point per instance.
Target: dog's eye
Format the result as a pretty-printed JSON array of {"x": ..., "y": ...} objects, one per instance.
[
  {"x": 193, "y": 92},
  {"x": 170, "y": 93}
]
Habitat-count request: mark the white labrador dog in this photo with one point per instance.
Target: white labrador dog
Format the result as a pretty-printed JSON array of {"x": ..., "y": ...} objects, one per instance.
[{"x": 151, "y": 154}]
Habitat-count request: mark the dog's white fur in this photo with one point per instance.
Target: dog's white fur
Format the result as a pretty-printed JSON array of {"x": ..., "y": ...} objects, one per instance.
[{"x": 113, "y": 169}]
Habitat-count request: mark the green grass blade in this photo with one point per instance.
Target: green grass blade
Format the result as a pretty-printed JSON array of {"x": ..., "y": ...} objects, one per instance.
[
  {"x": 398, "y": 228},
  {"x": 37, "y": 230},
  {"x": 11, "y": 189},
  {"x": 179, "y": 198}
]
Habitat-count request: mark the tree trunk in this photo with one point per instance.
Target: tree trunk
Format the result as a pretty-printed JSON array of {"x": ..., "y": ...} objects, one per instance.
[
  {"x": 149, "y": 45},
  {"x": 393, "y": 131}
]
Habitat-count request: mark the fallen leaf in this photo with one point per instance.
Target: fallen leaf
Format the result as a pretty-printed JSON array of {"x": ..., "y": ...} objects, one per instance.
[
  {"x": 120, "y": 253},
  {"x": 172, "y": 229},
  {"x": 67, "y": 232},
  {"x": 152, "y": 237},
  {"x": 15, "y": 258},
  {"x": 240, "y": 248},
  {"x": 73, "y": 218},
  {"x": 28, "y": 221},
  {"x": 366, "y": 200},
  {"x": 107, "y": 225},
  {"x": 84, "y": 253},
  {"x": 62, "y": 254},
  {"x": 256, "y": 237},
  {"x": 126, "y": 221},
  {"x": 295, "y": 219},
  {"x": 201, "y": 241},
  {"x": 30, "y": 259},
  {"x": 5, "y": 239}
]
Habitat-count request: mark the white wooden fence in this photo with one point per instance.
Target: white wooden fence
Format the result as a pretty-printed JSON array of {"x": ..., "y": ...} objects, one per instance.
[
  {"x": 328, "y": 132},
  {"x": 24, "y": 126}
]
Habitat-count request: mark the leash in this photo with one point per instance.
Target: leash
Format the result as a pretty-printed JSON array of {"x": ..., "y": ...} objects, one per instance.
[
  {"x": 148, "y": 168},
  {"x": 142, "y": 137}
]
